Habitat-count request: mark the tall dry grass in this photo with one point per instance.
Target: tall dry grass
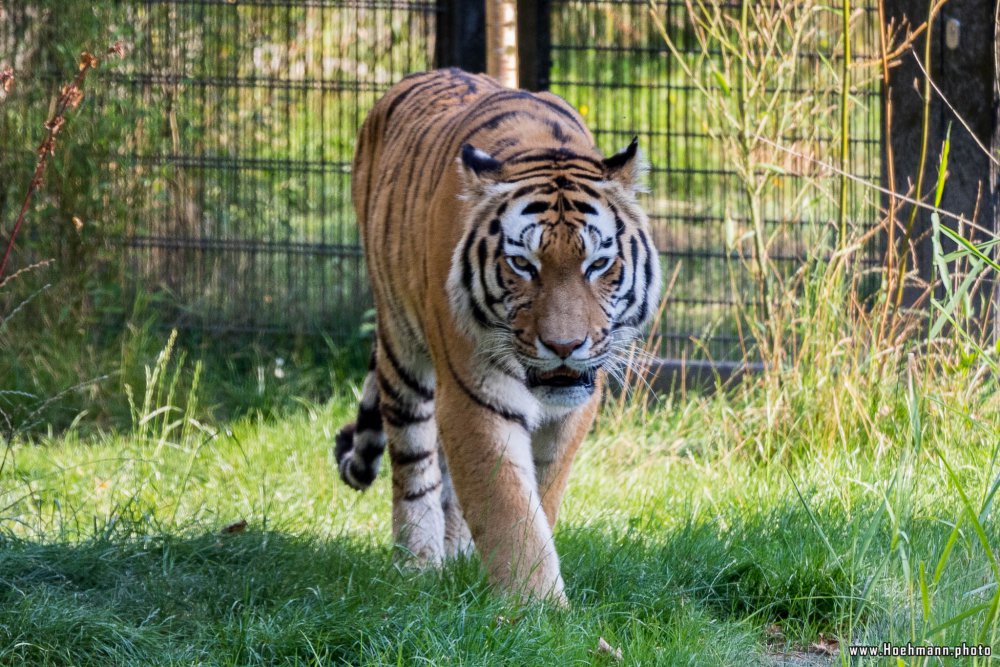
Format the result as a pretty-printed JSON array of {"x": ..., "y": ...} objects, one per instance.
[{"x": 829, "y": 345}]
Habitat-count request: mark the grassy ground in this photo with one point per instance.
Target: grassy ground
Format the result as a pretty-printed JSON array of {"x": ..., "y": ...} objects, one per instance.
[{"x": 705, "y": 531}]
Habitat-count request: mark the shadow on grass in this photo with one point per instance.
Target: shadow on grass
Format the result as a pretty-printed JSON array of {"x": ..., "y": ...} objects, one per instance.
[{"x": 274, "y": 598}]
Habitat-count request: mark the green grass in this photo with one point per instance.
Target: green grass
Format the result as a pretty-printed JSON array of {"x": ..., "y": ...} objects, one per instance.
[
  {"x": 61, "y": 369},
  {"x": 683, "y": 541}
]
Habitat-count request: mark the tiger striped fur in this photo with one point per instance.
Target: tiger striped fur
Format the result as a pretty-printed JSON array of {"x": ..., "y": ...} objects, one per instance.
[{"x": 510, "y": 265}]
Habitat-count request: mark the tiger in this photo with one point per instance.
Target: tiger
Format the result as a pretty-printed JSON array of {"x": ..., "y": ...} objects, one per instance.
[{"x": 510, "y": 266}]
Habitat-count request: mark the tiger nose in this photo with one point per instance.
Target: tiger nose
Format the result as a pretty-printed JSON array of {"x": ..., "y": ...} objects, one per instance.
[{"x": 562, "y": 348}]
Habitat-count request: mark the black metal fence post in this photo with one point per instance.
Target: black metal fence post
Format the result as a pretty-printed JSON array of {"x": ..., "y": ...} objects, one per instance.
[
  {"x": 461, "y": 35},
  {"x": 534, "y": 44}
]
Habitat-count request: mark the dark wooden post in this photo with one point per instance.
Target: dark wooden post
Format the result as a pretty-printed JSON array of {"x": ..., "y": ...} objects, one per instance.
[
  {"x": 968, "y": 82},
  {"x": 995, "y": 166},
  {"x": 534, "y": 43},
  {"x": 461, "y": 35},
  {"x": 964, "y": 68}
]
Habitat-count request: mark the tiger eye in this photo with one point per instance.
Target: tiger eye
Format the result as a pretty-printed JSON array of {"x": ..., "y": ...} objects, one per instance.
[{"x": 521, "y": 263}]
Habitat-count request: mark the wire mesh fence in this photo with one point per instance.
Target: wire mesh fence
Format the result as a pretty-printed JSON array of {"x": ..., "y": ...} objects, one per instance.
[
  {"x": 250, "y": 115},
  {"x": 229, "y": 168},
  {"x": 609, "y": 59}
]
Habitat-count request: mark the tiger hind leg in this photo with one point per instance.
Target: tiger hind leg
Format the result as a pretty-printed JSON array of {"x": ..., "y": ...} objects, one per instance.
[
  {"x": 359, "y": 445},
  {"x": 418, "y": 517},
  {"x": 428, "y": 524}
]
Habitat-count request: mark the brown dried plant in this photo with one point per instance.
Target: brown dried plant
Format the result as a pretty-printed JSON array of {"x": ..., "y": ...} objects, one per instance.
[
  {"x": 70, "y": 97},
  {"x": 6, "y": 79}
]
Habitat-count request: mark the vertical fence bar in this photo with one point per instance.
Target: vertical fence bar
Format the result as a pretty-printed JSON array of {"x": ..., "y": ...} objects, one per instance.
[
  {"x": 461, "y": 35},
  {"x": 534, "y": 44}
]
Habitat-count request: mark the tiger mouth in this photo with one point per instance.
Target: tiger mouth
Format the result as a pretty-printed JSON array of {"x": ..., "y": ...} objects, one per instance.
[{"x": 560, "y": 377}]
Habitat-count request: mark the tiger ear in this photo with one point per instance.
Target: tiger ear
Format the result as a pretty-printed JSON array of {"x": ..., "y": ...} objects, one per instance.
[
  {"x": 478, "y": 168},
  {"x": 627, "y": 167}
]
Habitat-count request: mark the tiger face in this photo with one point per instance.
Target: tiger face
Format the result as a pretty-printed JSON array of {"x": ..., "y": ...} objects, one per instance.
[{"x": 557, "y": 272}]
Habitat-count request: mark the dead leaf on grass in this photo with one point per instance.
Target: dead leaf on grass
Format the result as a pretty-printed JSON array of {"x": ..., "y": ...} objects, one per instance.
[
  {"x": 825, "y": 645},
  {"x": 233, "y": 528},
  {"x": 603, "y": 647}
]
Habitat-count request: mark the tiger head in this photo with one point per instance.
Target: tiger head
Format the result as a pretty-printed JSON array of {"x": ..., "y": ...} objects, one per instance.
[{"x": 556, "y": 272}]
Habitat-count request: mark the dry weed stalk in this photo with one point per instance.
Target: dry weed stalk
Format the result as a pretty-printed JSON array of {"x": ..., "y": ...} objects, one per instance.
[
  {"x": 745, "y": 64},
  {"x": 69, "y": 98},
  {"x": 815, "y": 323},
  {"x": 743, "y": 81}
]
